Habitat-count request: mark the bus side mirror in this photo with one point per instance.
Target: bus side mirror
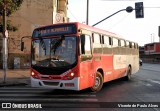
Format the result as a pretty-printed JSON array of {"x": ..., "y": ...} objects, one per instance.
[{"x": 22, "y": 46}]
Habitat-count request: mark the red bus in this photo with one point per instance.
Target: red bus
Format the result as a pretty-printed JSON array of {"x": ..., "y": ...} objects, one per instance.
[{"x": 75, "y": 56}]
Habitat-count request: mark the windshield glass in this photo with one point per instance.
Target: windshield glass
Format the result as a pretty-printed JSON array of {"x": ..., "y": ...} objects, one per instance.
[{"x": 58, "y": 52}]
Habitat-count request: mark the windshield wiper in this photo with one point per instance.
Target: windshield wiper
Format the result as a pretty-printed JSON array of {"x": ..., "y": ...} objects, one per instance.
[
  {"x": 56, "y": 43},
  {"x": 43, "y": 44}
]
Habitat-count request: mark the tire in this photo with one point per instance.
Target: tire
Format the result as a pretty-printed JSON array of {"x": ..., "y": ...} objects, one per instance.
[
  {"x": 129, "y": 72},
  {"x": 98, "y": 83}
]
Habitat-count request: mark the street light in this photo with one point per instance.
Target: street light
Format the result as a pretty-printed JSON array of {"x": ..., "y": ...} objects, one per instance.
[
  {"x": 152, "y": 37},
  {"x": 138, "y": 11}
]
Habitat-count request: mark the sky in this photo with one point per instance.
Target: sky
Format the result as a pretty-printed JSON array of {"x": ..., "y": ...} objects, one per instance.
[{"x": 142, "y": 30}]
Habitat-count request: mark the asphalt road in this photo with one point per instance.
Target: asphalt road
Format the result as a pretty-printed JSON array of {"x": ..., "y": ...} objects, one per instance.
[{"x": 143, "y": 88}]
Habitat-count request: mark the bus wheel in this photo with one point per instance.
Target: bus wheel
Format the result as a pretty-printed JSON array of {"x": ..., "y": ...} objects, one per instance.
[
  {"x": 98, "y": 82},
  {"x": 129, "y": 72}
]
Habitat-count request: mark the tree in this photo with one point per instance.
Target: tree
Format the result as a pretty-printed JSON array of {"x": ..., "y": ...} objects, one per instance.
[{"x": 11, "y": 6}]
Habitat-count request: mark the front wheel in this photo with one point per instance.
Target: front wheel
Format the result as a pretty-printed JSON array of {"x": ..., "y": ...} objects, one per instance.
[{"x": 98, "y": 83}]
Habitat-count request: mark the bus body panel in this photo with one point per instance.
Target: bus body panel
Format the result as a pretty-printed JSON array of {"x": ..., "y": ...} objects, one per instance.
[
  {"x": 113, "y": 65},
  {"x": 107, "y": 66},
  {"x": 86, "y": 74}
]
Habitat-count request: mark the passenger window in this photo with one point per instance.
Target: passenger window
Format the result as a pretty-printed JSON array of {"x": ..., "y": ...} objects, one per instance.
[
  {"x": 122, "y": 43},
  {"x": 97, "y": 46},
  {"x": 127, "y": 44},
  {"x": 115, "y": 47},
  {"x": 133, "y": 45},
  {"x": 130, "y": 44},
  {"x": 97, "y": 38},
  {"x": 115, "y": 42},
  {"x": 106, "y": 40},
  {"x": 107, "y": 45}
]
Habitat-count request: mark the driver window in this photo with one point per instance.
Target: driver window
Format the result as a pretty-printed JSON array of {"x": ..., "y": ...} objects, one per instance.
[{"x": 85, "y": 46}]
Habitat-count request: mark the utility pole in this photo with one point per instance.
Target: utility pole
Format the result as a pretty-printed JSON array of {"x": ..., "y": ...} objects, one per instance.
[
  {"x": 5, "y": 35},
  {"x": 159, "y": 32},
  {"x": 151, "y": 38},
  {"x": 87, "y": 16}
]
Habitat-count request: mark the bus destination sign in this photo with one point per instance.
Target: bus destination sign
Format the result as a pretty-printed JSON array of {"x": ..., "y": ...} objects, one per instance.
[{"x": 54, "y": 30}]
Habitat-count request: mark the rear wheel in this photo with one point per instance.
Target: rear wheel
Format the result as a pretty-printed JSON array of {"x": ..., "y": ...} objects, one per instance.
[
  {"x": 98, "y": 82},
  {"x": 129, "y": 72}
]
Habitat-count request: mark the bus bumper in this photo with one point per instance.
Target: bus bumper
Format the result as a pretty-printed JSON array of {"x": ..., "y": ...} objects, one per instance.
[{"x": 56, "y": 84}]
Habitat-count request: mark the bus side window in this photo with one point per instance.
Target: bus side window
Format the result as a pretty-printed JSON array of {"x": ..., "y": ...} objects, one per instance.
[
  {"x": 107, "y": 45},
  {"x": 82, "y": 44},
  {"x": 130, "y": 44},
  {"x": 119, "y": 43},
  {"x": 127, "y": 44},
  {"x": 137, "y": 46},
  {"x": 93, "y": 37},
  {"x": 97, "y": 38},
  {"x": 106, "y": 40},
  {"x": 123, "y": 49},
  {"x": 122, "y": 43},
  {"x": 110, "y": 41},
  {"x": 97, "y": 46},
  {"x": 115, "y": 46}
]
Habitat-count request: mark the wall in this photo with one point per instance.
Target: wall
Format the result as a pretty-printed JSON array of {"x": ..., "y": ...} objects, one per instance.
[{"x": 32, "y": 13}]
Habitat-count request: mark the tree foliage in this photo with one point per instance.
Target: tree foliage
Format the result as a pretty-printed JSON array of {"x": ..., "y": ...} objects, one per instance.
[{"x": 11, "y": 6}]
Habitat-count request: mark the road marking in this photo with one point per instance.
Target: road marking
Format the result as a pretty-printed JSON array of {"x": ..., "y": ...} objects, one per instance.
[
  {"x": 49, "y": 100},
  {"x": 22, "y": 88},
  {"x": 157, "y": 82},
  {"x": 148, "y": 85},
  {"x": 22, "y": 91},
  {"x": 35, "y": 95}
]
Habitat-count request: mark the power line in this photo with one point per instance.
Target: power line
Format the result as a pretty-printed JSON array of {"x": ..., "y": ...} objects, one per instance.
[
  {"x": 151, "y": 7},
  {"x": 73, "y": 15},
  {"x": 118, "y": 22}
]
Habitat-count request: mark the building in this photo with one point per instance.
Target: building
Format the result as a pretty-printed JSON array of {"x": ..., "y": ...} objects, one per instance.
[
  {"x": 32, "y": 14},
  {"x": 141, "y": 50},
  {"x": 152, "y": 52},
  {"x": 152, "y": 48}
]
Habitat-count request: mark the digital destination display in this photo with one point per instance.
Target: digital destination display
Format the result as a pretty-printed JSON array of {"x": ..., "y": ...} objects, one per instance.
[{"x": 55, "y": 30}]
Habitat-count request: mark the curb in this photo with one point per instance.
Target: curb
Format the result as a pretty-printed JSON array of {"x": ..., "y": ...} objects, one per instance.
[
  {"x": 15, "y": 82},
  {"x": 12, "y": 84}
]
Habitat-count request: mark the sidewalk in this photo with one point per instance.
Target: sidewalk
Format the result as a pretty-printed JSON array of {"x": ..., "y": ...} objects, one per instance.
[{"x": 16, "y": 77}]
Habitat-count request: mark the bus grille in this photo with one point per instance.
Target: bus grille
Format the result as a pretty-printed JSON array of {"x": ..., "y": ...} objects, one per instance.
[{"x": 51, "y": 83}]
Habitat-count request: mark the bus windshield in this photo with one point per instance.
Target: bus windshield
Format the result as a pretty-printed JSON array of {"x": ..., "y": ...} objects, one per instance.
[{"x": 58, "y": 52}]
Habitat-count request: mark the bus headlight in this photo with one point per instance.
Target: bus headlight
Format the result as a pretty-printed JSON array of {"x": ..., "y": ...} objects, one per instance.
[
  {"x": 69, "y": 76},
  {"x": 35, "y": 75},
  {"x": 72, "y": 74},
  {"x": 32, "y": 73}
]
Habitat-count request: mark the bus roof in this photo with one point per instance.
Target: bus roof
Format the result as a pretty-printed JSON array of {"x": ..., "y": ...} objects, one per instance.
[
  {"x": 84, "y": 26},
  {"x": 87, "y": 27}
]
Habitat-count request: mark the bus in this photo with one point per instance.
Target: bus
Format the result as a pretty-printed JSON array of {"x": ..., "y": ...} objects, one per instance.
[{"x": 75, "y": 56}]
